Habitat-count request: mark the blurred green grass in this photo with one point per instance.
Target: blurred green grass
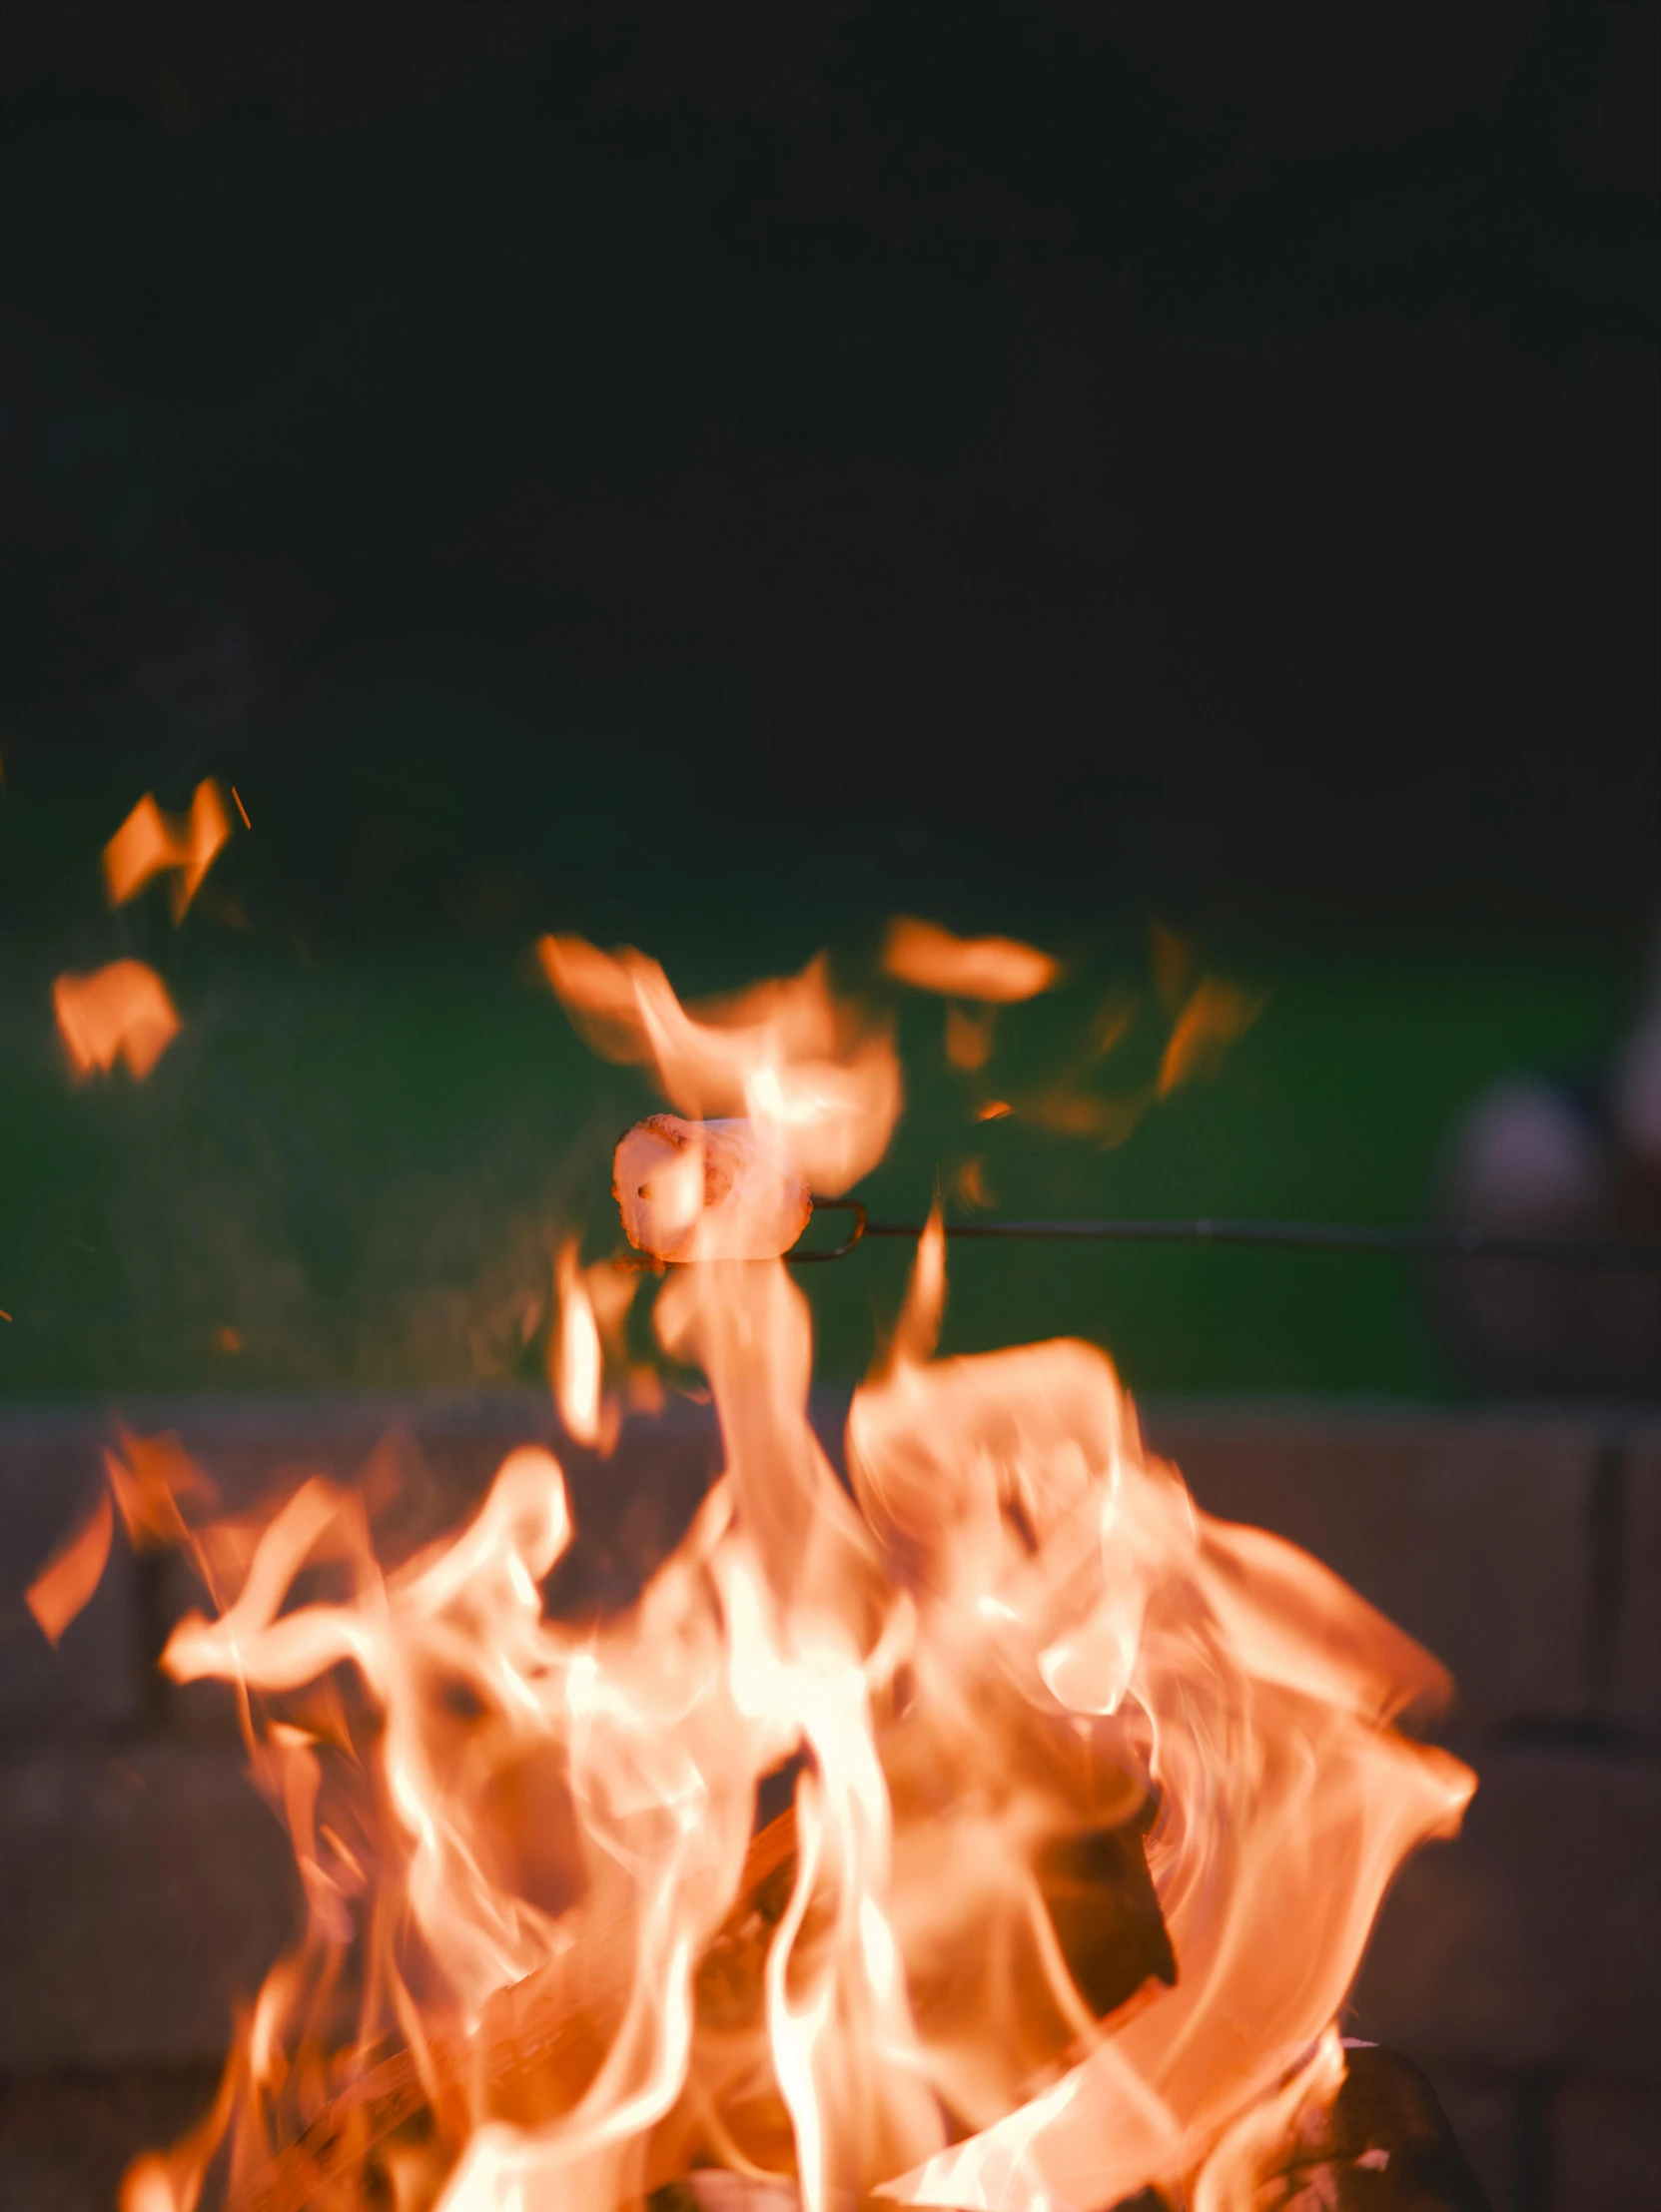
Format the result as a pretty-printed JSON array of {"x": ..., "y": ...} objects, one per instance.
[
  {"x": 351, "y": 1167},
  {"x": 358, "y": 1167}
]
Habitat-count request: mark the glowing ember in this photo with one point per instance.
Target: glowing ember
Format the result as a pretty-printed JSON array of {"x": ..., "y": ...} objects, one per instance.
[
  {"x": 150, "y": 843},
  {"x": 1095, "y": 1797},
  {"x": 121, "y": 1011}
]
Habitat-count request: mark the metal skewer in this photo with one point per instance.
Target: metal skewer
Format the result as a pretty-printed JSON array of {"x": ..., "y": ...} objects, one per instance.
[{"x": 1331, "y": 1236}]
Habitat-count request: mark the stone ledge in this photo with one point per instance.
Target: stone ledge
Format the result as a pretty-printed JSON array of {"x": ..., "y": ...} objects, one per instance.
[
  {"x": 1635, "y": 1689},
  {"x": 1605, "y": 2149},
  {"x": 1529, "y": 1943},
  {"x": 140, "y": 1893}
]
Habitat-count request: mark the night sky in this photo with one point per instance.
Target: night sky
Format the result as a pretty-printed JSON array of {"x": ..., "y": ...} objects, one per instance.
[{"x": 1048, "y": 443}]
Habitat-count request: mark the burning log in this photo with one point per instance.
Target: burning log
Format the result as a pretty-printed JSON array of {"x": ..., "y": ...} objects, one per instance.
[
  {"x": 706, "y": 1191},
  {"x": 1383, "y": 2145}
]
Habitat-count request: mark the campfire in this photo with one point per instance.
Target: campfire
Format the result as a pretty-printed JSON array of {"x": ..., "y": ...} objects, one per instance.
[{"x": 1086, "y": 1799}]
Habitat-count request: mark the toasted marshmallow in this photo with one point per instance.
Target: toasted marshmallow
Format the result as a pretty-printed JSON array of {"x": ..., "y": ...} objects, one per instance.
[{"x": 706, "y": 1191}]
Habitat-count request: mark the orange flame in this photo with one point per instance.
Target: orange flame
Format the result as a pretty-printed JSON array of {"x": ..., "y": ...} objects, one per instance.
[
  {"x": 1208, "y": 1019},
  {"x": 1000, "y": 970},
  {"x": 1216, "y": 1015},
  {"x": 968, "y": 1040},
  {"x": 1082, "y": 1114},
  {"x": 146, "y": 1480},
  {"x": 121, "y": 1011},
  {"x": 969, "y": 1184},
  {"x": 576, "y": 1364},
  {"x": 1073, "y": 1550},
  {"x": 150, "y": 843},
  {"x": 782, "y": 1055},
  {"x": 1095, "y": 1797},
  {"x": 66, "y": 1583},
  {"x": 1172, "y": 961}
]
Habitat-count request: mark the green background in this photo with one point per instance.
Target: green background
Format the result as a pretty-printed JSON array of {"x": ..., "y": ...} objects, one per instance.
[{"x": 377, "y": 1123}]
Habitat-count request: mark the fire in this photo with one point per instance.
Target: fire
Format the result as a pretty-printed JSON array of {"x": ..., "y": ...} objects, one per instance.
[
  {"x": 995, "y": 971},
  {"x": 968, "y": 1038},
  {"x": 1093, "y": 1797},
  {"x": 152, "y": 1479},
  {"x": 1000, "y": 970},
  {"x": 122, "y": 1012},
  {"x": 783, "y": 1056},
  {"x": 64, "y": 1585},
  {"x": 1213, "y": 1018},
  {"x": 576, "y": 1363},
  {"x": 147, "y": 1479},
  {"x": 150, "y": 843}
]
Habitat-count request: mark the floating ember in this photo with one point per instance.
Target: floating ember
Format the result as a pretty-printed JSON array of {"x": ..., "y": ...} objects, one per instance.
[
  {"x": 122, "y": 1012},
  {"x": 1091, "y": 1799},
  {"x": 997, "y": 970},
  {"x": 150, "y": 843}
]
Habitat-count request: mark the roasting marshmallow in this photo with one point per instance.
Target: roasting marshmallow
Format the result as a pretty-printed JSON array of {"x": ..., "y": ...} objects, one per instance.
[{"x": 707, "y": 1191}]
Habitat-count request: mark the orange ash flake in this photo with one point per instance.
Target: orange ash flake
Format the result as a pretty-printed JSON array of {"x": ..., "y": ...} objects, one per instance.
[
  {"x": 1216, "y": 1016},
  {"x": 64, "y": 1585},
  {"x": 150, "y": 843},
  {"x": 121, "y": 1011}
]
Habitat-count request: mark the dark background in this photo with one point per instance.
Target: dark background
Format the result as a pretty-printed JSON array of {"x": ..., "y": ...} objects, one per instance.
[{"x": 717, "y": 475}]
